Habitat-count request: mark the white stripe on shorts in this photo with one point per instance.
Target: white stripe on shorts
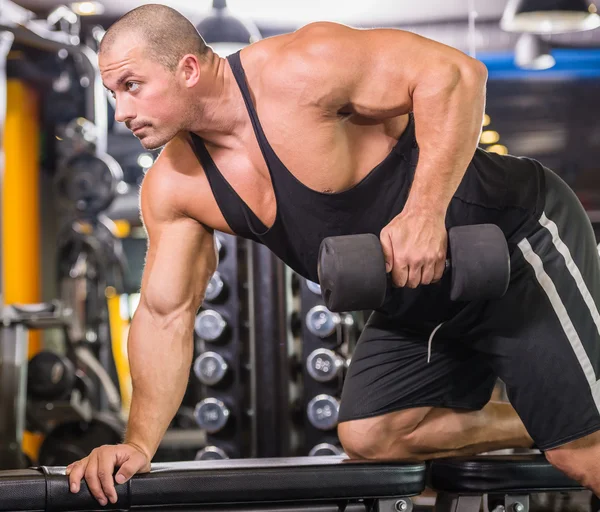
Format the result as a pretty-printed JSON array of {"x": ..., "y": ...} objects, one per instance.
[{"x": 561, "y": 311}]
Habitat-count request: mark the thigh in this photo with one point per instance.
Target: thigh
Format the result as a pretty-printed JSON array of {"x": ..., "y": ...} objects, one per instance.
[
  {"x": 389, "y": 372},
  {"x": 543, "y": 335}
]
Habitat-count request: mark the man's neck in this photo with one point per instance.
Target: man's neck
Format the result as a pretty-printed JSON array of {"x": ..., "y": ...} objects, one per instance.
[{"x": 222, "y": 115}]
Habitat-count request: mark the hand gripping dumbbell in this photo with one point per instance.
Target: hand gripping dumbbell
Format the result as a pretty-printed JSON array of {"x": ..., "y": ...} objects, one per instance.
[{"x": 352, "y": 268}]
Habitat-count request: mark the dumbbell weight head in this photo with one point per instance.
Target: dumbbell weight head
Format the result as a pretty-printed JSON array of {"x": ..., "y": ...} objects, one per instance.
[
  {"x": 211, "y": 415},
  {"x": 323, "y": 411},
  {"x": 325, "y": 449},
  {"x": 352, "y": 273},
  {"x": 210, "y": 368},
  {"x": 479, "y": 261},
  {"x": 220, "y": 246},
  {"x": 210, "y": 325},
  {"x": 211, "y": 453},
  {"x": 50, "y": 376},
  {"x": 313, "y": 287},
  {"x": 321, "y": 322},
  {"x": 324, "y": 365},
  {"x": 216, "y": 288}
]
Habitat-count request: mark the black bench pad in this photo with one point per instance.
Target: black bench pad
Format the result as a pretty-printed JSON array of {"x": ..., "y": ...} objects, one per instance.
[
  {"x": 219, "y": 482},
  {"x": 498, "y": 473}
]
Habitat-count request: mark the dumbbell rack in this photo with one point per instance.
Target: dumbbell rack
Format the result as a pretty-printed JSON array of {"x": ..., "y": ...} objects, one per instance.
[
  {"x": 325, "y": 337},
  {"x": 16, "y": 321},
  {"x": 220, "y": 372}
]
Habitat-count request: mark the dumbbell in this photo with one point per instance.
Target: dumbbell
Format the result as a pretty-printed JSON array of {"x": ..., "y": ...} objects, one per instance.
[
  {"x": 210, "y": 368},
  {"x": 323, "y": 323},
  {"x": 211, "y": 415},
  {"x": 211, "y": 453},
  {"x": 210, "y": 326},
  {"x": 325, "y": 449},
  {"x": 323, "y": 411},
  {"x": 216, "y": 290},
  {"x": 324, "y": 365},
  {"x": 352, "y": 272},
  {"x": 50, "y": 376}
]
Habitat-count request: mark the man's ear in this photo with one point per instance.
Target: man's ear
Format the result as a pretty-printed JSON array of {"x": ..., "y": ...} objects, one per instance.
[{"x": 189, "y": 69}]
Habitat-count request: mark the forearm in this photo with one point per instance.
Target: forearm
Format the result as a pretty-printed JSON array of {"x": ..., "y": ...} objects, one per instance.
[
  {"x": 448, "y": 107},
  {"x": 160, "y": 355}
]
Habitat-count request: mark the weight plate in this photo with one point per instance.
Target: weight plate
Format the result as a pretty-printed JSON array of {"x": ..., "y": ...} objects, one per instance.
[{"x": 87, "y": 183}]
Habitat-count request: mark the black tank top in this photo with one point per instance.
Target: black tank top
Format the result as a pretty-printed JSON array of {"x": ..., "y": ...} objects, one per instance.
[{"x": 502, "y": 190}]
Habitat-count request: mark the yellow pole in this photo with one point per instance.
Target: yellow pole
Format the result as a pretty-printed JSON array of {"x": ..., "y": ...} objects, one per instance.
[
  {"x": 119, "y": 329},
  {"x": 20, "y": 209}
]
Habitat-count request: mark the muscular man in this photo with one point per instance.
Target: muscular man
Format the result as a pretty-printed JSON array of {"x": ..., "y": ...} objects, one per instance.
[{"x": 332, "y": 131}]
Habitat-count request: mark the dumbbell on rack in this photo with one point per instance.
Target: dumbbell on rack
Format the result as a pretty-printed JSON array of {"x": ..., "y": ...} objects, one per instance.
[
  {"x": 325, "y": 338},
  {"x": 217, "y": 388}
]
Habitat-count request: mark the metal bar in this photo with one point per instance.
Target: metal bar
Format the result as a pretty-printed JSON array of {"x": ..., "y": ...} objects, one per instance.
[
  {"x": 13, "y": 393},
  {"x": 99, "y": 112}
]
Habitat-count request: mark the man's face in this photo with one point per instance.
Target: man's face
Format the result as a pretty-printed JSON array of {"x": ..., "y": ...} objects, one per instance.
[{"x": 149, "y": 100}]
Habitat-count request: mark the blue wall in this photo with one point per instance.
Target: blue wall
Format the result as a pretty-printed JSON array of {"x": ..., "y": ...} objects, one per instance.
[{"x": 570, "y": 65}]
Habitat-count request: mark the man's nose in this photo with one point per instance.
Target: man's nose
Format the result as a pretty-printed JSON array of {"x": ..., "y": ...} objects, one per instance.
[{"x": 123, "y": 111}]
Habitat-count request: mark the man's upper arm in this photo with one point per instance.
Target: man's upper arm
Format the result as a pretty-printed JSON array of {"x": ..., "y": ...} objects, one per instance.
[
  {"x": 181, "y": 254},
  {"x": 374, "y": 72}
]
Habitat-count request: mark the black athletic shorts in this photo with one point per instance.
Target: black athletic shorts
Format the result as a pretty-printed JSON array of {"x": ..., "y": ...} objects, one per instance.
[{"x": 541, "y": 339}]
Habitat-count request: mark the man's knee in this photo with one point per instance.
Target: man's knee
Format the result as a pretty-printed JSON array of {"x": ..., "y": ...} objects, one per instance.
[
  {"x": 580, "y": 460},
  {"x": 380, "y": 436}
]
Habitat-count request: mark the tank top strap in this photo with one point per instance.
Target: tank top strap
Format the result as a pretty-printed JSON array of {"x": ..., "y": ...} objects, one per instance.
[
  {"x": 269, "y": 155},
  {"x": 239, "y": 218}
]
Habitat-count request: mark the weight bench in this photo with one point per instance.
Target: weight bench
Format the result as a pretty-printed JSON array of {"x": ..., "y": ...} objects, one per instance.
[
  {"x": 506, "y": 480},
  {"x": 311, "y": 484}
]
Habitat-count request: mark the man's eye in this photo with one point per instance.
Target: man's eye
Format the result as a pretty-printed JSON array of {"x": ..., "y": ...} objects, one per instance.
[{"x": 131, "y": 86}]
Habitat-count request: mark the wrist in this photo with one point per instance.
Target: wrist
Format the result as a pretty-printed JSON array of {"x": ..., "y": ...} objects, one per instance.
[
  {"x": 429, "y": 211},
  {"x": 142, "y": 447}
]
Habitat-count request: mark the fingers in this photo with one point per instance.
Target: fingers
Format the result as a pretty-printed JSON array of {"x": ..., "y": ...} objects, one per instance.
[
  {"x": 130, "y": 467},
  {"x": 106, "y": 465},
  {"x": 388, "y": 250},
  {"x": 93, "y": 481},
  {"x": 76, "y": 473},
  {"x": 438, "y": 273},
  {"x": 98, "y": 469},
  {"x": 400, "y": 273}
]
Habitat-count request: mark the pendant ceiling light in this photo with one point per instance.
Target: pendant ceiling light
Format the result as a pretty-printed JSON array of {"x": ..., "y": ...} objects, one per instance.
[
  {"x": 550, "y": 16},
  {"x": 532, "y": 52},
  {"x": 224, "y": 32}
]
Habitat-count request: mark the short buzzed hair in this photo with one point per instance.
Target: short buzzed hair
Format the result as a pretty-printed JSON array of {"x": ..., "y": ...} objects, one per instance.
[{"x": 167, "y": 34}]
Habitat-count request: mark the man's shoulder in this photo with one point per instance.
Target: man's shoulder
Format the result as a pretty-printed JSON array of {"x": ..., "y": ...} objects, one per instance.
[
  {"x": 301, "y": 65},
  {"x": 298, "y": 52}
]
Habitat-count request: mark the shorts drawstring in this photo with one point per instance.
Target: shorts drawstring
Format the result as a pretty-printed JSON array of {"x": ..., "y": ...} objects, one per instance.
[{"x": 430, "y": 342}]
